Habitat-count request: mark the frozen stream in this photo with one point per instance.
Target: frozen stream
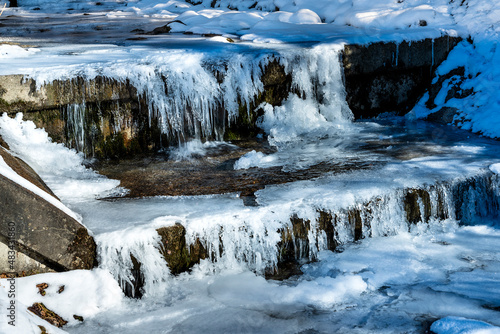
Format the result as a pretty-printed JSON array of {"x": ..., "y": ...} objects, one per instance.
[
  {"x": 399, "y": 278},
  {"x": 398, "y": 283}
]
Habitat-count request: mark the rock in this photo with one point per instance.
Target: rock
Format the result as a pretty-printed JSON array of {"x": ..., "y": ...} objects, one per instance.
[
  {"x": 163, "y": 29},
  {"x": 391, "y": 77},
  {"x": 445, "y": 115},
  {"x": 160, "y": 30},
  {"x": 134, "y": 289},
  {"x": 326, "y": 224},
  {"x": 414, "y": 201},
  {"x": 77, "y": 317},
  {"x": 43, "y": 312},
  {"x": 175, "y": 250},
  {"x": 44, "y": 237},
  {"x": 3, "y": 143}
]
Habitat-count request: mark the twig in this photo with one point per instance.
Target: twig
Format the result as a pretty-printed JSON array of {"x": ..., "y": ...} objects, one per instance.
[{"x": 4, "y": 5}]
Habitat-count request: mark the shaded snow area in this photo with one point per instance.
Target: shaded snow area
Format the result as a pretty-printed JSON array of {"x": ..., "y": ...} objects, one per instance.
[{"x": 471, "y": 75}]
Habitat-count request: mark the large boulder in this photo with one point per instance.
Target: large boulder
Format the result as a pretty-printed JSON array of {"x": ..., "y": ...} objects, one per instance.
[{"x": 40, "y": 236}]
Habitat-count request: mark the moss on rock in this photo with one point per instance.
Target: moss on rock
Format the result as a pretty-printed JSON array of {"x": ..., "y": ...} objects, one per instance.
[{"x": 174, "y": 249}]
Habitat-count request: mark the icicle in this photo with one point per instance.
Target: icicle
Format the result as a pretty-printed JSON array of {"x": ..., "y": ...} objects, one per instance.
[
  {"x": 250, "y": 238},
  {"x": 76, "y": 125}
]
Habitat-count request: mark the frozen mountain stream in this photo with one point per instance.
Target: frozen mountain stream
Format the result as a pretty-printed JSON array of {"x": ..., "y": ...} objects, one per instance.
[
  {"x": 400, "y": 280},
  {"x": 412, "y": 207}
]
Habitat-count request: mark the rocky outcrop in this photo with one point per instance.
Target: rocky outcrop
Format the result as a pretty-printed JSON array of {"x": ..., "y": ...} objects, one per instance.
[
  {"x": 453, "y": 90},
  {"x": 39, "y": 236},
  {"x": 20, "y": 94},
  {"x": 391, "y": 77}
]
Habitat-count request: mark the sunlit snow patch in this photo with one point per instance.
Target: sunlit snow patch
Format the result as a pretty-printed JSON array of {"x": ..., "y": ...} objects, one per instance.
[
  {"x": 14, "y": 51},
  {"x": 495, "y": 168}
]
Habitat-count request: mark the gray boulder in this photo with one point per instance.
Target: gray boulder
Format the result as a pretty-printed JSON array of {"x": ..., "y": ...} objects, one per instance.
[{"x": 35, "y": 235}]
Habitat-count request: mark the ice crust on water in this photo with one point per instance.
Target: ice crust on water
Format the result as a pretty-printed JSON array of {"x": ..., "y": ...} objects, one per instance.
[
  {"x": 249, "y": 235},
  {"x": 386, "y": 284}
]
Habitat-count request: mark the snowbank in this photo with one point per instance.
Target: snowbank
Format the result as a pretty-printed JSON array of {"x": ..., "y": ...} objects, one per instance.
[
  {"x": 86, "y": 293},
  {"x": 458, "y": 325}
]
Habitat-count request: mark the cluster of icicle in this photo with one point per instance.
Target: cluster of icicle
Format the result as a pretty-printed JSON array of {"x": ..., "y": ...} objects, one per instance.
[
  {"x": 250, "y": 238},
  {"x": 196, "y": 95}
]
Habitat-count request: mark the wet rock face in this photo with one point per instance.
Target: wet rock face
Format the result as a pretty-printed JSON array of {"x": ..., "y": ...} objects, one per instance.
[
  {"x": 391, "y": 77},
  {"x": 43, "y": 237},
  {"x": 277, "y": 86},
  {"x": 417, "y": 206}
]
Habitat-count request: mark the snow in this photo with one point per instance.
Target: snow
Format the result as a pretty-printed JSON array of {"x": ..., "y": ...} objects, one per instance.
[
  {"x": 61, "y": 168},
  {"x": 254, "y": 159},
  {"x": 495, "y": 168},
  {"x": 476, "y": 112},
  {"x": 86, "y": 293},
  {"x": 458, "y": 325},
  {"x": 15, "y": 51}
]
